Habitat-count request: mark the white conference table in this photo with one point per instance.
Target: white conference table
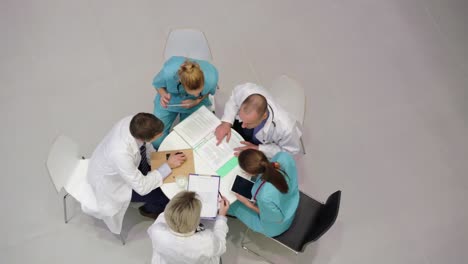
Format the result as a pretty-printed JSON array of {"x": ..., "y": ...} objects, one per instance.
[{"x": 174, "y": 142}]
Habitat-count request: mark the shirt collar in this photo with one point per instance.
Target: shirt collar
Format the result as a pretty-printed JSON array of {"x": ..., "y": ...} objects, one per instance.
[
  {"x": 265, "y": 125},
  {"x": 182, "y": 234}
]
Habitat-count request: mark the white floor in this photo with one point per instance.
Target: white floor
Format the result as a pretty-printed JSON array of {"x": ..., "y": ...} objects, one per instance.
[{"x": 386, "y": 121}]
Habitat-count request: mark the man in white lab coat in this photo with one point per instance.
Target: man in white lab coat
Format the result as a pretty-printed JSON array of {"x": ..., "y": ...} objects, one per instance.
[
  {"x": 177, "y": 237},
  {"x": 118, "y": 167},
  {"x": 265, "y": 125}
]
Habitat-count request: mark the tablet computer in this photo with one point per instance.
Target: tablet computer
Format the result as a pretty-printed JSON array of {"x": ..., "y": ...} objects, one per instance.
[{"x": 243, "y": 187}]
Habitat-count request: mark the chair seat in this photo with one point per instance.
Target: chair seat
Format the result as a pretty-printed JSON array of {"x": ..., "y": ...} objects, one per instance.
[{"x": 296, "y": 237}]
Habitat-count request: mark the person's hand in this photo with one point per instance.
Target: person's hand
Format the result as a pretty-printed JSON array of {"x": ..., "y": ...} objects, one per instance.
[
  {"x": 176, "y": 160},
  {"x": 223, "y": 130},
  {"x": 247, "y": 145},
  {"x": 189, "y": 103},
  {"x": 165, "y": 98},
  {"x": 223, "y": 206},
  {"x": 243, "y": 199}
]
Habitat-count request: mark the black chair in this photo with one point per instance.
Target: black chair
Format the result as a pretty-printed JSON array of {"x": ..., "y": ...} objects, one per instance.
[{"x": 312, "y": 220}]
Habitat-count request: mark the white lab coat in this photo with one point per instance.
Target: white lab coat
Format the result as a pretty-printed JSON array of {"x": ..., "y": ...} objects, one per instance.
[
  {"x": 205, "y": 247},
  {"x": 280, "y": 132},
  {"x": 113, "y": 173}
]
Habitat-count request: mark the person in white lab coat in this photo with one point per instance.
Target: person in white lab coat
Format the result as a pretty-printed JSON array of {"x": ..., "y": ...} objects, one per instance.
[
  {"x": 265, "y": 125},
  {"x": 117, "y": 170},
  {"x": 177, "y": 237}
]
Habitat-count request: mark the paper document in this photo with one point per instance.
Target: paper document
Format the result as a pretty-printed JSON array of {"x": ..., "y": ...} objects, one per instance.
[
  {"x": 197, "y": 126},
  {"x": 198, "y": 130},
  {"x": 207, "y": 189},
  {"x": 216, "y": 156}
]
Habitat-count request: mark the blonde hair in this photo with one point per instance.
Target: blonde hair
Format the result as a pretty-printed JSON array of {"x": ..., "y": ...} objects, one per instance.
[
  {"x": 182, "y": 213},
  {"x": 191, "y": 75}
]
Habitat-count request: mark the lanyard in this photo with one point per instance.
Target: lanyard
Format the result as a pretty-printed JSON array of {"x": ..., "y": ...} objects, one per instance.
[{"x": 255, "y": 196}]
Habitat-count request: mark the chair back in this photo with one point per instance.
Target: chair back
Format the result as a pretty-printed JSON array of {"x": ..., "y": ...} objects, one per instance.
[
  {"x": 304, "y": 221},
  {"x": 327, "y": 216},
  {"x": 189, "y": 43},
  {"x": 62, "y": 161},
  {"x": 290, "y": 95}
]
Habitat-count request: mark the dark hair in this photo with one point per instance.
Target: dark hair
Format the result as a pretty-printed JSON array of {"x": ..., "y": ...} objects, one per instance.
[
  {"x": 255, "y": 102},
  {"x": 145, "y": 126},
  {"x": 255, "y": 162}
]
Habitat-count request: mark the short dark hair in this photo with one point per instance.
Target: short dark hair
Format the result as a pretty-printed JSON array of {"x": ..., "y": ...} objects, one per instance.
[{"x": 145, "y": 126}]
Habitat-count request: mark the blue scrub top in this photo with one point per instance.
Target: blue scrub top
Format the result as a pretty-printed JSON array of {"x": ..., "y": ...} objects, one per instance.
[
  {"x": 277, "y": 210},
  {"x": 169, "y": 78}
]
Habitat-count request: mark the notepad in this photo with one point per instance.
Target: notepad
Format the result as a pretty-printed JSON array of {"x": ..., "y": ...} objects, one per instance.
[
  {"x": 198, "y": 131},
  {"x": 207, "y": 189}
]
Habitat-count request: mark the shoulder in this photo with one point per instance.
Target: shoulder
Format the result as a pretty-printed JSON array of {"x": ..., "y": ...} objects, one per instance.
[
  {"x": 242, "y": 91},
  {"x": 207, "y": 67},
  {"x": 158, "y": 227},
  {"x": 210, "y": 73},
  {"x": 250, "y": 88},
  {"x": 174, "y": 60},
  {"x": 172, "y": 65},
  {"x": 283, "y": 157},
  {"x": 286, "y": 161}
]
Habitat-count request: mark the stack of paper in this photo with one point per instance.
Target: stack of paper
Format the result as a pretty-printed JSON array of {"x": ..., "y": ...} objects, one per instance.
[{"x": 198, "y": 131}]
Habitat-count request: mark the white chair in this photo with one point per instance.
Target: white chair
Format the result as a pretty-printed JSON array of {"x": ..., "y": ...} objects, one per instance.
[
  {"x": 291, "y": 96},
  {"x": 67, "y": 169},
  {"x": 190, "y": 43}
]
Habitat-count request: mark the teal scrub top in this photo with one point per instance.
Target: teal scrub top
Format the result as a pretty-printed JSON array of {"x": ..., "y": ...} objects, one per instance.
[
  {"x": 169, "y": 78},
  {"x": 277, "y": 209}
]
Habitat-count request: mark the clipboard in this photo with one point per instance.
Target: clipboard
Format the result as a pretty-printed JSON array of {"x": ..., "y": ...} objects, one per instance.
[
  {"x": 158, "y": 158},
  {"x": 207, "y": 189}
]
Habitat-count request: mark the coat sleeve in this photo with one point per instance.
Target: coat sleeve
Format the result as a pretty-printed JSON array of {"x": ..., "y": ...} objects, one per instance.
[
  {"x": 290, "y": 143},
  {"x": 269, "y": 212},
  {"x": 220, "y": 231},
  {"x": 232, "y": 105},
  {"x": 141, "y": 184}
]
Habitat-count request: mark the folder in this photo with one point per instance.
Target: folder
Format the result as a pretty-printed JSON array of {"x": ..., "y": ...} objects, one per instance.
[{"x": 158, "y": 158}]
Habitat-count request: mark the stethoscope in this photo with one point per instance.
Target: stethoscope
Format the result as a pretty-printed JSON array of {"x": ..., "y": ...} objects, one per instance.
[{"x": 272, "y": 115}]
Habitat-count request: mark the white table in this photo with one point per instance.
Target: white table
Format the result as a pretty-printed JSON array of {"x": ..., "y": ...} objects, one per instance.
[{"x": 174, "y": 142}]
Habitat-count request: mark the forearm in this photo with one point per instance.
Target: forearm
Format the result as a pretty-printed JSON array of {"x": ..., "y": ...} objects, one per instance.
[
  {"x": 220, "y": 231},
  {"x": 161, "y": 91},
  {"x": 252, "y": 207}
]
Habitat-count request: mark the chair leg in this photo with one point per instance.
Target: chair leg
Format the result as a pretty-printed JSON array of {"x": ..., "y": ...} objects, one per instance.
[
  {"x": 303, "y": 148},
  {"x": 243, "y": 245},
  {"x": 65, "y": 208},
  {"x": 122, "y": 239}
]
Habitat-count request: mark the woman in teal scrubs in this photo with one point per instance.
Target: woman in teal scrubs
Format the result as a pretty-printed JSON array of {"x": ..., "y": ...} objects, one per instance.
[
  {"x": 183, "y": 86},
  {"x": 275, "y": 194}
]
